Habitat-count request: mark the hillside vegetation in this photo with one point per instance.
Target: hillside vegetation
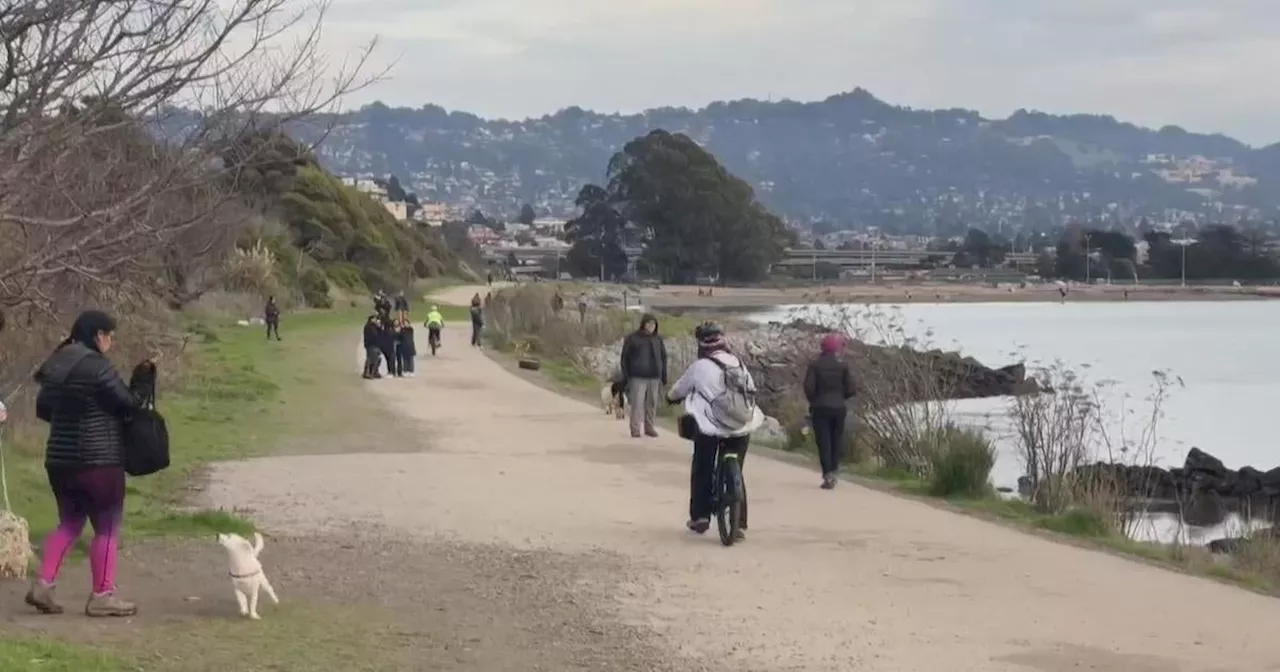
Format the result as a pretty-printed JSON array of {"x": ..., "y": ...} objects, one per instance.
[
  {"x": 314, "y": 232},
  {"x": 849, "y": 158}
]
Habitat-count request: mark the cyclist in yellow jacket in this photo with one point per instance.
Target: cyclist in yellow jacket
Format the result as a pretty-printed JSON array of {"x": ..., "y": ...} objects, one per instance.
[{"x": 434, "y": 323}]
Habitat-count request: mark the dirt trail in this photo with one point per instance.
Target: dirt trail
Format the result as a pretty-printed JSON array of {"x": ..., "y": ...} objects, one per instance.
[{"x": 850, "y": 579}]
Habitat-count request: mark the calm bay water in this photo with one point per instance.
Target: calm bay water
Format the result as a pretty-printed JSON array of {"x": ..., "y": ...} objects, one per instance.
[{"x": 1226, "y": 355}]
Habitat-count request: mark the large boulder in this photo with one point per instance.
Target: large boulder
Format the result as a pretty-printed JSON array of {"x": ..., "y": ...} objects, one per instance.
[{"x": 1203, "y": 487}]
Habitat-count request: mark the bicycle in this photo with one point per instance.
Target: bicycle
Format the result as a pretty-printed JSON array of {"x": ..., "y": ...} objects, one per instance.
[
  {"x": 433, "y": 339},
  {"x": 730, "y": 495},
  {"x": 729, "y": 492}
]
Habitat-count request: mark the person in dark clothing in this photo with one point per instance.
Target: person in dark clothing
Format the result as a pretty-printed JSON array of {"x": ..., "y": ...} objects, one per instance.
[
  {"x": 407, "y": 349},
  {"x": 271, "y": 315},
  {"x": 828, "y": 385},
  {"x": 372, "y": 348},
  {"x": 85, "y": 402},
  {"x": 477, "y": 320},
  {"x": 402, "y": 306},
  {"x": 387, "y": 344},
  {"x": 382, "y": 305},
  {"x": 644, "y": 367}
]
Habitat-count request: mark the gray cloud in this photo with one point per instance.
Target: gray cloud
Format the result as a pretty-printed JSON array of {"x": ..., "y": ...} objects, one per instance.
[{"x": 1203, "y": 65}]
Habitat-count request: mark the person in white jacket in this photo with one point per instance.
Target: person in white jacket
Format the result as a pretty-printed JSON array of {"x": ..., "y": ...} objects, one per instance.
[{"x": 706, "y": 423}]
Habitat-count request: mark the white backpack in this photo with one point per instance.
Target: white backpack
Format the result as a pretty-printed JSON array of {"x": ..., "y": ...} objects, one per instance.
[{"x": 735, "y": 408}]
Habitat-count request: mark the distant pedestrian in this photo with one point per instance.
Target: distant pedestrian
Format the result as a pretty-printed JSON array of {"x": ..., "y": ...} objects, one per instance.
[
  {"x": 407, "y": 349},
  {"x": 372, "y": 348},
  {"x": 582, "y": 308},
  {"x": 382, "y": 305},
  {"x": 387, "y": 344},
  {"x": 401, "y": 307},
  {"x": 644, "y": 366},
  {"x": 557, "y": 303},
  {"x": 490, "y": 278},
  {"x": 271, "y": 315},
  {"x": 477, "y": 320},
  {"x": 828, "y": 386}
]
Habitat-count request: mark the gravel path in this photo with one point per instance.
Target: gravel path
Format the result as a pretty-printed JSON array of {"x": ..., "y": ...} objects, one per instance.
[{"x": 850, "y": 579}]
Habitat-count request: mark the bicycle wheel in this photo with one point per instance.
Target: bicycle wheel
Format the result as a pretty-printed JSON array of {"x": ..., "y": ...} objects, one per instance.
[{"x": 729, "y": 499}]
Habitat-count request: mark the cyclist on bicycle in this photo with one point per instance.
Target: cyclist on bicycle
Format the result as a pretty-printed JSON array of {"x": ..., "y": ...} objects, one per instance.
[
  {"x": 434, "y": 323},
  {"x": 719, "y": 414}
]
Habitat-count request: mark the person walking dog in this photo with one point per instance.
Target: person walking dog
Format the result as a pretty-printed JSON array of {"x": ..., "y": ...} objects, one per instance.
[
  {"x": 86, "y": 403},
  {"x": 644, "y": 367}
]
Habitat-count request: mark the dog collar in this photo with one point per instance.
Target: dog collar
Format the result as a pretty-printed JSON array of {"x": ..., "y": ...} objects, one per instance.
[{"x": 245, "y": 576}]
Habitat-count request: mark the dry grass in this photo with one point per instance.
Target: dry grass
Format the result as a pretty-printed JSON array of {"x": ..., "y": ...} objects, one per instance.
[
  {"x": 523, "y": 319},
  {"x": 904, "y": 402}
]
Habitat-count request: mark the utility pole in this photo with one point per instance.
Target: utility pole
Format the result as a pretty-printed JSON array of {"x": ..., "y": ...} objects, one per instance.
[
  {"x": 1184, "y": 243},
  {"x": 1087, "y": 254}
]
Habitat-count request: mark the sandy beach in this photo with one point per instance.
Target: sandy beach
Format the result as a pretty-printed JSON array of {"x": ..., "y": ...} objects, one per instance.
[{"x": 730, "y": 298}]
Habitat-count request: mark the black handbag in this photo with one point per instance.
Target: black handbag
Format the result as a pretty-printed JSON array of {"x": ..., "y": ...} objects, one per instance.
[{"x": 146, "y": 436}]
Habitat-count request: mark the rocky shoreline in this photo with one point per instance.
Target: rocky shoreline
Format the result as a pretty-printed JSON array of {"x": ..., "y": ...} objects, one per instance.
[
  {"x": 1203, "y": 491},
  {"x": 777, "y": 355}
]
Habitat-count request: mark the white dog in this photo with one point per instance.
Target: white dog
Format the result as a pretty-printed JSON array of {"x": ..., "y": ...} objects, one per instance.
[{"x": 247, "y": 577}]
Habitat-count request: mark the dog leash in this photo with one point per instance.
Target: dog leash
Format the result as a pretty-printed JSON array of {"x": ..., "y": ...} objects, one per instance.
[{"x": 4, "y": 472}]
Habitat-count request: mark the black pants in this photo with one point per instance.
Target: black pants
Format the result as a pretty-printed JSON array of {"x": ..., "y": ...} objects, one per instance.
[
  {"x": 433, "y": 335},
  {"x": 406, "y": 361},
  {"x": 702, "y": 486},
  {"x": 372, "y": 361},
  {"x": 389, "y": 354},
  {"x": 273, "y": 327},
  {"x": 828, "y": 433},
  {"x": 475, "y": 333}
]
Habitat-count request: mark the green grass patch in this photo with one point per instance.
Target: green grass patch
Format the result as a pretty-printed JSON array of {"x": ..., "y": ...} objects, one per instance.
[{"x": 38, "y": 655}]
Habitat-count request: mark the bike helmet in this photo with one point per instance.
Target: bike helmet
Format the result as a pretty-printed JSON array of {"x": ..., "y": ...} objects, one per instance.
[{"x": 708, "y": 332}]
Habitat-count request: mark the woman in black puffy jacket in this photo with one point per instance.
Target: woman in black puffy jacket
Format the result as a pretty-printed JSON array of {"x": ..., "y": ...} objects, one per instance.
[{"x": 85, "y": 402}]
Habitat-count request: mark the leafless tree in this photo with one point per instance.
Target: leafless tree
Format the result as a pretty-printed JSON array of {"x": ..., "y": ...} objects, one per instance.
[{"x": 115, "y": 121}]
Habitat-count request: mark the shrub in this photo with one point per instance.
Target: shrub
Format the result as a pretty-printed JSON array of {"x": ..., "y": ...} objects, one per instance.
[
  {"x": 1053, "y": 431},
  {"x": 1080, "y": 522},
  {"x": 904, "y": 392},
  {"x": 252, "y": 269},
  {"x": 962, "y": 460},
  {"x": 315, "y": 288}
]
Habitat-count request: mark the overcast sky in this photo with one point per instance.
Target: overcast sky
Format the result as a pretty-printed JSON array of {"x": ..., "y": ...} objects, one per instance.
[{"x": 1207, "y": 65}]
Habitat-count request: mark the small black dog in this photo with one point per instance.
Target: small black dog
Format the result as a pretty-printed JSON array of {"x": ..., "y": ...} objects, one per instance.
[{"x": 619, "y": 392}]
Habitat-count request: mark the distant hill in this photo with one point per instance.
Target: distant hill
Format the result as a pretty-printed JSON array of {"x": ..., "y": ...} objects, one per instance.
[{"x": 851, "y": 158}]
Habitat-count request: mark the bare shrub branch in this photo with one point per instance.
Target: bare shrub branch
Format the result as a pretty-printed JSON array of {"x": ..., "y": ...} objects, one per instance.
[{"x": 117, "y": 116}]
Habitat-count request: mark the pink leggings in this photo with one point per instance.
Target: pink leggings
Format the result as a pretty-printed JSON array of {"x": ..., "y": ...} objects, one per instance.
[{"x": 96, "y": 495}]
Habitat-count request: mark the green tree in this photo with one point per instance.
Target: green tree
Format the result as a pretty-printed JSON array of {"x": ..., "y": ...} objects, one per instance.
[
  {"x": 527, "y": 215},
  {"x": 693, "y": 216},
  {"x": 981, "y": 249},
  {"x": 596, "y": 236}
]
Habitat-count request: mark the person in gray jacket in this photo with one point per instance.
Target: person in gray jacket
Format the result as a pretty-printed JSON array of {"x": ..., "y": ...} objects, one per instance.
[
  {"x": 828, "y": 385},
  {"x": 644, "y": 367}
]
